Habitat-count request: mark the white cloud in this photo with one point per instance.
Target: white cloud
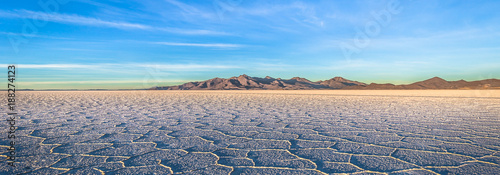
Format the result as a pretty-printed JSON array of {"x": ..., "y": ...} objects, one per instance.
[
  {"x": 186, "y": 8},
  {"x": 219, "y": 45},
  {"x": 89, "y": 21},
  {"x": 102, "y": 82},
  {"x": 190, "y": 12},
  {"x": 32, "y": 35},
  {"x": 185, "y": 66},
  {"x": 127, "y": 66},
  {"x": 192, "y": 32},
  {"x": 52, "y": 66},
  {"x": 76, "y": 19}
]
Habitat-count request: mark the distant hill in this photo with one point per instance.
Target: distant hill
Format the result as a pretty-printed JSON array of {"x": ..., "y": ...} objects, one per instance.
[
  {"x": 245, "y": 82},
  {"x": 437, "y": 83}
]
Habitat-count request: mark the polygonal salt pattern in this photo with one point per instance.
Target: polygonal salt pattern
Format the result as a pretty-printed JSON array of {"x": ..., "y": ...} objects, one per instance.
[{"x": 252, "y": 132}]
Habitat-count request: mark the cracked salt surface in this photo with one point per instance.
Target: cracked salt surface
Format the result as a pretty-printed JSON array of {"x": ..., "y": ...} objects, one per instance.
[{"x": 256, "y": 132}]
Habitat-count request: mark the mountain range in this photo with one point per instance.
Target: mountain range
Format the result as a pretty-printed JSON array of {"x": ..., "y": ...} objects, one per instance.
[{"x": 245, "y": 82}]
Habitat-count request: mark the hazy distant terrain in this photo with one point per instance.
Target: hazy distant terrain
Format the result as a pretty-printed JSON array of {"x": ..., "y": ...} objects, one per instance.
[
  {"x": 245, "y": 82},
  {"x": 256, "y": 132}
]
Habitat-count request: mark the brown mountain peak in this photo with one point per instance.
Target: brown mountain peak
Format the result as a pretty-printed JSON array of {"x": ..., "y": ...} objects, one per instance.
[
  {"x": 300, "y": 79},
  {"x": 338, "y": 79},
  {"x": 244, "y": 75},
  {"x": 246, "y": 82},
  {"x": 432, "y": 83},
  {"x": 436, "y": 79}
]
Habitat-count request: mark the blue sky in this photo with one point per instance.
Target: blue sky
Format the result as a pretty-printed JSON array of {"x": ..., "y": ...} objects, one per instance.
[{"x": 81, "y": 44}]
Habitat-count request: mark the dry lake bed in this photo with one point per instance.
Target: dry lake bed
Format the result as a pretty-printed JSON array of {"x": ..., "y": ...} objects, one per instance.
[{"x": 255, "y": 132}]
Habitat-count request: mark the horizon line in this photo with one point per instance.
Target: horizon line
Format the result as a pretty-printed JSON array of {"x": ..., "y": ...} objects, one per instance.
[{"x": 147, "y": 88}]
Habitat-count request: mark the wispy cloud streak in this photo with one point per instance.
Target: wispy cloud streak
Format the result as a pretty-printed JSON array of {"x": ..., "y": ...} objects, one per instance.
[
  {"x": 75, "y": 19},
  {"x": 218, "y": 45},
  {"x": 186, "y": 8},
  {"x": 54, "y": 66},
  {"x": 98, "y": 82},
  {"x": 102, "y": 66},
  {"x": 89, "y": 21},
  {"x": 32, "y": 35}
]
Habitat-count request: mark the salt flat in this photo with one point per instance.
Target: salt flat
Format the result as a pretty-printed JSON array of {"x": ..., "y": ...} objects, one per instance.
[{"x": 256, "y": 132}]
